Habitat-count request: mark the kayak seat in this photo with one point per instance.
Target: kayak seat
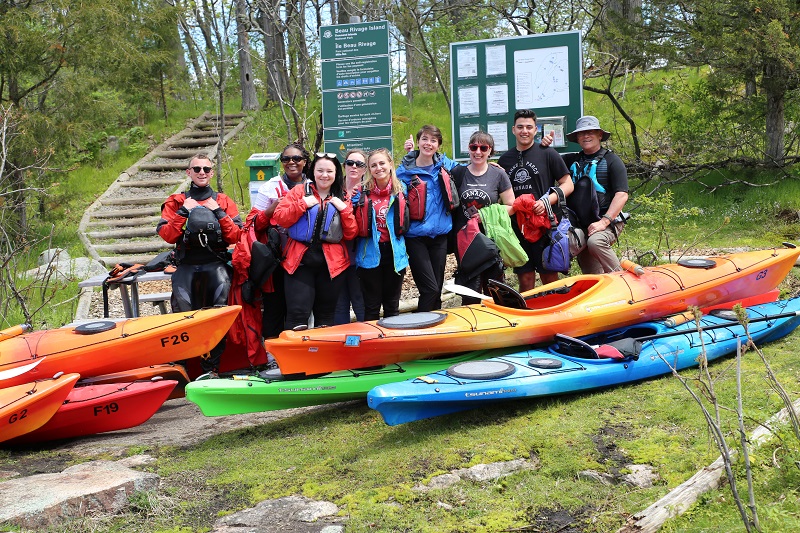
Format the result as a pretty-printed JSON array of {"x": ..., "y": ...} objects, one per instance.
[
  {"x": 506, "y": 295},
  {"x": 573, "y": 347}
]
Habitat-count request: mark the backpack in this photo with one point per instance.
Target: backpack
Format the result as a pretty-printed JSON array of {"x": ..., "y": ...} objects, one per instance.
[
  {"x": 203, "y": 229},
  {"x": 583, "y": 201},
  {"x": 556, "y": 256}
]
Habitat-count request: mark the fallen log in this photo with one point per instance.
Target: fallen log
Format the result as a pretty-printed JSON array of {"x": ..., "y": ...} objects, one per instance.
[{"x": 682, "y": 497}]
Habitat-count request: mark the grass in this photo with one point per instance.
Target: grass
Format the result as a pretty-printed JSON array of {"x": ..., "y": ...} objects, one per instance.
[{"x": 346, "y": 454}]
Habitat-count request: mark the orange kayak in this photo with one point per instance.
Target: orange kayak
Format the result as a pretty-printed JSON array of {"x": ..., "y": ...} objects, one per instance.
[
  {"x": 27, "y": 407},
  {"x": 105, "y": 347},
  {"x": 167, "y": 371},
  {"x": 578, "y": 305},
  {"x": 101, "y": 408}
]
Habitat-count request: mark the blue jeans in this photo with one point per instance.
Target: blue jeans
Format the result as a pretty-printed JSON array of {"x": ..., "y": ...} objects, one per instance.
[{"x": 350, "y": 294}]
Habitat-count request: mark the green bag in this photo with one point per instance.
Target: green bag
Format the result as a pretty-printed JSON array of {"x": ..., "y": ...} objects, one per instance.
[{"x": 497, "y": 226}]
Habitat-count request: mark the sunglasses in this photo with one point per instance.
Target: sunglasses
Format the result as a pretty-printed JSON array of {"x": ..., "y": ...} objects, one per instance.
[
  {"x": 353, "y": 163},
  {"x": 294, "y": 158},
  {"x": 481, "y": 147},
  {"x": 207, "y": 170},
  {"x": 327, "y": 155}
]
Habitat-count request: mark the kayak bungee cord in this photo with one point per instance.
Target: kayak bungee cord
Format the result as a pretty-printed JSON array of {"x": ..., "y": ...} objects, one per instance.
[{"x": 122, "y": 335}]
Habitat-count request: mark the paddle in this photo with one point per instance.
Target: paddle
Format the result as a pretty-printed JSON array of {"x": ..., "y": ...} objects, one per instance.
[
  {"x": 19, "y": 370},
  {"x": 466, "y": 291},
  {"x": 14, "y": 331},
  {"x": 764, "y": 318}
]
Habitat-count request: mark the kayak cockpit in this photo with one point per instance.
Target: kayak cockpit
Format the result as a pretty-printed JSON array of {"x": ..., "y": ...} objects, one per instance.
[{"x": 544, "y": 298}]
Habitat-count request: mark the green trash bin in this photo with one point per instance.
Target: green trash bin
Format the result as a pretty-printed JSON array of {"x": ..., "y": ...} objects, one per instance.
[{"x": 262, "y": 168}]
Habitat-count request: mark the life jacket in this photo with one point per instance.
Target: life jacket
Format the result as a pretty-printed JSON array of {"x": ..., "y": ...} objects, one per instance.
[
  {"x": 365, "y": 214},
  {"x": 320, "y": 223},
  {"x": 583, "y": 201}
]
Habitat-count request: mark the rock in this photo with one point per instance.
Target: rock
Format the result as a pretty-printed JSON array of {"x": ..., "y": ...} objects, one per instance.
[
  {"x": 112, "y": 144},
  {"x": 593, "y": 475},
  {"x": 292, "y": 513},
  {"x": 76, "y": 269},
  {"x": 135, "y": 461},
  {"x": 439, "y": 482},
  {"x": 52, "y": 255},
  {"x": 495, "y": 470},
  {"x": 641, "y": 476},
  {"x": 8, "y": 474},
  {"x": 44, "y": 500}
]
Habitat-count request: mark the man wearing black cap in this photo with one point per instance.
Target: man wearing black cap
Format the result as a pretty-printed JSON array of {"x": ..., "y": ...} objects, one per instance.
[{"x": 608, "y": 177}]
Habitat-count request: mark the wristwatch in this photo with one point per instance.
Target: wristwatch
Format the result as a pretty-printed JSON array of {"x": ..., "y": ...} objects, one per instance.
[{"x": 610, "y": 220}]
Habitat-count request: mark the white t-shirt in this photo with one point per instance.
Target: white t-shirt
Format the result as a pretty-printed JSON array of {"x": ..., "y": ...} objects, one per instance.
[{"x": 269, "y": 193}]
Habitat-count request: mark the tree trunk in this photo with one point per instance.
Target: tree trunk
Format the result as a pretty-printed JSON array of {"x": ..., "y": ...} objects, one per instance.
[
  {"x": 246, "y": 82},
  {"x": 296, "y": 25},
  {"x": 274, "y": 52},
  {"x": 198, "y": 71},
  {"x": 411, "y": 68},
  {"x": 776, "y": 100}
]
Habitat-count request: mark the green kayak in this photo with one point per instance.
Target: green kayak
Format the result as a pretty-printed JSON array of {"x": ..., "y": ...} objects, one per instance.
[{"x": 267, "y": 391}]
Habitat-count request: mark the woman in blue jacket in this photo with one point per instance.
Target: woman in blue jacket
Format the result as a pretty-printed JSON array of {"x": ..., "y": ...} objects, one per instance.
[
  {"x": 426, "y": 239},
  {"x": 380, "y": 251}
]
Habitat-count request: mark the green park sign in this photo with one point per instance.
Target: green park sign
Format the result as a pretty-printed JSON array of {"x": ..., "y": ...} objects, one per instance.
[
  {"x": 354, "y": 40},
  {"x": 356, "y": 86}
]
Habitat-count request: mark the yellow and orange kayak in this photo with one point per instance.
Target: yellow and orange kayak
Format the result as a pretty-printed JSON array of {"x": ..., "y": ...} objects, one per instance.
[
  {"x": 105, "y": 347},
  {"x": 578, "y": 305},
  {"x": 24, "y": 408}
]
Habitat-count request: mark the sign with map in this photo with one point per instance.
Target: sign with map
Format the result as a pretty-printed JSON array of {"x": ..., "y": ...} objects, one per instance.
[{"x": 491, "y": 79}]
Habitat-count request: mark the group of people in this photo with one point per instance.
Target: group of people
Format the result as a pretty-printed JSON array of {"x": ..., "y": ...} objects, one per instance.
[{"x": 349, "y": 233}]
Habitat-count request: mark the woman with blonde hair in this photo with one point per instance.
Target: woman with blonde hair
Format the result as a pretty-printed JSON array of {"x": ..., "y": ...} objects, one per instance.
[{"x": 380, "y": 252}]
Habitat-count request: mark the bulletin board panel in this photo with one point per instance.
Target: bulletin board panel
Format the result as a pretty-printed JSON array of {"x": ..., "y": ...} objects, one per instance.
[{"x": 492, "y": 78}]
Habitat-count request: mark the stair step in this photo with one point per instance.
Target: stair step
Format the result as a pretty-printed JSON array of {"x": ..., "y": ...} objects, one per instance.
[
  {"x": 135, "y": 200},
  {"x": 135, "y": 247},
  {"x": 128, "y": 222},
  {"x": 165, "y": 166},
  {"x": 195, "y": 142},
  {"x": 176, "y": 154},
  {"x": 151, "y": 182},
  {"x": 146, "y": 231},
  {"x": 128, "y": 213}
]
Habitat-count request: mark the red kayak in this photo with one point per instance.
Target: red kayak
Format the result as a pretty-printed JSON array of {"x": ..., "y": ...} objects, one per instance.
[
  {"x": 167, "y": 371},
  {"x": 101, "y": 408}
]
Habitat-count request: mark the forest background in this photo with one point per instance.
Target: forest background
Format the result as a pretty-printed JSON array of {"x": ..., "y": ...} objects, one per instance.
[{"x": 703, "y": 101}]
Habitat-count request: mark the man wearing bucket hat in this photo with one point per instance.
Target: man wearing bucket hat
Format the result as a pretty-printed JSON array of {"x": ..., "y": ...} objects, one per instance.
[{"x": 608, "y": 183}]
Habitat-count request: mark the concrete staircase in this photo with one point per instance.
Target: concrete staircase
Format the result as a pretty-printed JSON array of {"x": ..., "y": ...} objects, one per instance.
[{"x": 120, "y": 226}]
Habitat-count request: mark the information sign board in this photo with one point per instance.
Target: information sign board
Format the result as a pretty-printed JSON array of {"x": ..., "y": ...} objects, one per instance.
[
  {"x": 356, "y": 86},
  {"x": 491, "y": 79}
]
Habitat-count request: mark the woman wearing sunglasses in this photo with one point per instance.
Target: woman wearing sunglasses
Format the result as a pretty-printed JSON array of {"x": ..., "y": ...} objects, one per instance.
[
  {"x": 355, "y": 166},
  {"x": 294, "y": 159},
  {"x": 426, "y": 239},
  {"x": 479, "y": 185},
  {"x": 380, "y": 251},
  {"x": 314, "y": 267}
]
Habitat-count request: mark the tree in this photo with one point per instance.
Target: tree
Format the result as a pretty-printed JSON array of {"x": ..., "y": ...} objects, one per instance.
[
  {"x": 748, "y": 45},
  {"x": 246, "y": 81}
]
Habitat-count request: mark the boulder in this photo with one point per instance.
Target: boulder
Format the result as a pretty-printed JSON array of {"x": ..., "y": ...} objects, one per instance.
[
  {"x": 297, "y": 514},
  {"x": 44, "y": 500}
]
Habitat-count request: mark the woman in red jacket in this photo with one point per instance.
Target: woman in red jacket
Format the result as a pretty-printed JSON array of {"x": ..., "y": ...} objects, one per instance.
[{"x": 313, "y": 263}]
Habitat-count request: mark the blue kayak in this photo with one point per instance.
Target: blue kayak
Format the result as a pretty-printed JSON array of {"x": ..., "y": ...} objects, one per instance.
[{"x": 620, "y": 356}]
